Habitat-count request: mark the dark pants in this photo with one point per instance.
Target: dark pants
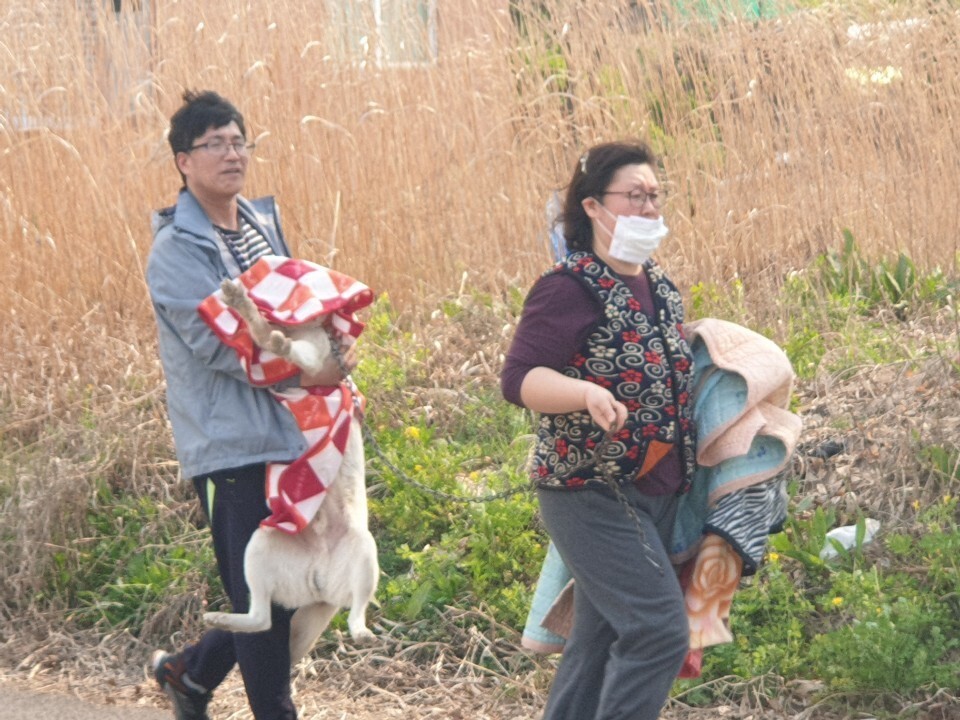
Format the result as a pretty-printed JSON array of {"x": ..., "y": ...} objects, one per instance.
[
  {"x": 234, "y": 503},
  {"x": 630, "y": 632}
]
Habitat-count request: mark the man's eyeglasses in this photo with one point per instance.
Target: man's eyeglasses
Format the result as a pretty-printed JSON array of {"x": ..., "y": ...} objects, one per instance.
[
  {"x": 220, "y": 148},
  {"x": 638, "y": 198}
]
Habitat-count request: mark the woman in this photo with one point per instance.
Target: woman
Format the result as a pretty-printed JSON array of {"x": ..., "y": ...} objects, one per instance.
[{"x": 599, "y": 352}]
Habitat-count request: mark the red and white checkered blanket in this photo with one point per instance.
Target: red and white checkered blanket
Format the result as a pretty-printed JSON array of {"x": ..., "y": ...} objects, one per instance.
[{"x": 294, "y": 292}]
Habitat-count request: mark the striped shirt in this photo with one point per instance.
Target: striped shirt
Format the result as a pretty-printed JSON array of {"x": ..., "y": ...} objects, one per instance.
[{"x": 246, "y": 244}]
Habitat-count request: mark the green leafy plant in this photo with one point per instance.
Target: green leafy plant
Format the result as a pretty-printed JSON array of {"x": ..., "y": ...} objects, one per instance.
[
  {"x": 897, "y": 284},
  {"x": 803, "y": 539},
  {"x": 849, "y": 622},
  {"x": 123, "y": 570},
  {"x": 897, "y": 645}
]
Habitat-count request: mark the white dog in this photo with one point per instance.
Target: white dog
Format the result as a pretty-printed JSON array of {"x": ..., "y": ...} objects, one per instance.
[{"x": 330, "y": 564}]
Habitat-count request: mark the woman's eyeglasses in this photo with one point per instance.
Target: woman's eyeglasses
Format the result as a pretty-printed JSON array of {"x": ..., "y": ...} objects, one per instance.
[{"x": 638, "y": 198}]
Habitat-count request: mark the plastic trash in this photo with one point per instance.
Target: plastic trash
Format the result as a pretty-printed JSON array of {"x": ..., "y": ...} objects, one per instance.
[
  {"x": 554, "y": 228},
  {"x": 847, "y": 537}
]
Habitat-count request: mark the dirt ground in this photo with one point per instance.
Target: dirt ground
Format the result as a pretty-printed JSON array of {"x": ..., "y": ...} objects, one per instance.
[
  {"x": 490, "y": 681},
  {"x": 478, "y": 675},
  {"x": 95, "y": 699},
  {"x": 23, "y": 703},
  {"x": 37, "y": 699},
  {"x": 874, "y": 419}
]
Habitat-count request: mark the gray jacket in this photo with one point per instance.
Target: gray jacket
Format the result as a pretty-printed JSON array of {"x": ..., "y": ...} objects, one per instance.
[{"x": 220, "y": 421}]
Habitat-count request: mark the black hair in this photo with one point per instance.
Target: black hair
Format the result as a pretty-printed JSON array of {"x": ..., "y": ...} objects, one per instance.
[
  {"x": 200, "y": 112},
  {"x": 591, "y": 176}
]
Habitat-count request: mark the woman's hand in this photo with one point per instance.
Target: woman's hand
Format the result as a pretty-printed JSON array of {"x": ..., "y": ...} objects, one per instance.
[
  {"x": 606, "y": 411},
  {"x": 545, "y": 390},
  {"x": 331, "y": 373}
]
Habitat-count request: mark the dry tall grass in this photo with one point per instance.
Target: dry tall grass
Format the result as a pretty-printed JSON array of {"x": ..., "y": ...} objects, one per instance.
[{"x": 774, "y": 136}]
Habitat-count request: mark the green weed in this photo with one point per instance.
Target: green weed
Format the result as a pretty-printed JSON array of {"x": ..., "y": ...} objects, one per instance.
[
  {"x": 897, "y": 284},
  {"x": 125, "y": 568},
  {"x": 878, "y": 618}
]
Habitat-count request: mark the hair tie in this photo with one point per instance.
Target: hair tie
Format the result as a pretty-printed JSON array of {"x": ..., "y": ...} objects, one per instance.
[{"x": 583, "y": 162}]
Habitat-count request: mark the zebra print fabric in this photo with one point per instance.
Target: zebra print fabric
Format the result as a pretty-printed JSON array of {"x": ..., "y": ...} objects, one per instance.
[{"x": 746, "y": 517}]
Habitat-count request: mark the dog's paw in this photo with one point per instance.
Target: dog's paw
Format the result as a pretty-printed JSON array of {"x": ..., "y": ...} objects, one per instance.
[
  {"x": 363, "y": 636},
  {"x": 279, "y": 344},
  {"x": 232, "y": 292},
  {"x": 217, "y": 619}
]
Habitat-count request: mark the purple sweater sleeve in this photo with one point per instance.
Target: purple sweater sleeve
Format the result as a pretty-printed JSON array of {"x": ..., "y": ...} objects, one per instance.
[{"x": 558, "y": 316}]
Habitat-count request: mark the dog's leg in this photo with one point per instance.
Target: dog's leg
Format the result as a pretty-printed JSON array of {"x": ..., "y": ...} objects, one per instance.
[
  {"x": 357, "y": 622},
  {"x": 308, "y": 349},
  {"x": 365, "y": 579},
  {"x": 257, "y": 620},
  {"x": 308, "y": 622},
  {"x": 307, "y": 356},
  {"x": 235, "y": 295},
  {"x": 279, "y": 344},
  {"x": 258, "y": 617}
]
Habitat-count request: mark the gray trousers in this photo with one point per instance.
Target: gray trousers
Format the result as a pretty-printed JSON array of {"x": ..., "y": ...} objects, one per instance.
[{"x": 630, "y": 632}]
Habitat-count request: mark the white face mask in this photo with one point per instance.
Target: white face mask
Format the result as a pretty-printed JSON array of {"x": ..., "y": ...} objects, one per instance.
[{"x": 635, "y": 238}]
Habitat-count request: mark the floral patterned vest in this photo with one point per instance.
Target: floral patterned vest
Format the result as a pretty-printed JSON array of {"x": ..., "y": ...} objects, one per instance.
[{"x": 646, "y": 363}]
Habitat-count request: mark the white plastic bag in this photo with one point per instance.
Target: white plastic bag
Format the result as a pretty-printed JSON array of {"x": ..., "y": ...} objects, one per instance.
[{"x": 847, "y": 537}]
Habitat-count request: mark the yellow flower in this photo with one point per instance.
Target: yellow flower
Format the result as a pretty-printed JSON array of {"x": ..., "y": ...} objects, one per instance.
[
  {"x": 916, "y": 504},
  {"x": 418, "y": 468},
  {"x": 412, "y": 432},
  {"x": 774, "y": 556},
  {"x": 947, "y": 499},
  {"x": 837, "y": 601},
  {"x": 474, "y": 475}
]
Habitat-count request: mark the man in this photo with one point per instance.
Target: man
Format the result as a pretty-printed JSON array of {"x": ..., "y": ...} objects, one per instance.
[{"x": 225, "y": 429}]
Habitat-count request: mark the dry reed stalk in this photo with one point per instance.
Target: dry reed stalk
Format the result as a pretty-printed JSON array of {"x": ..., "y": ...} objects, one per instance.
[{"x": 774, "y": 136}]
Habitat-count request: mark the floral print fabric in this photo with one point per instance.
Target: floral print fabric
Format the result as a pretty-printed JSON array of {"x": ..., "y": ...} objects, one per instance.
[{"x": 645, "y": 362}]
